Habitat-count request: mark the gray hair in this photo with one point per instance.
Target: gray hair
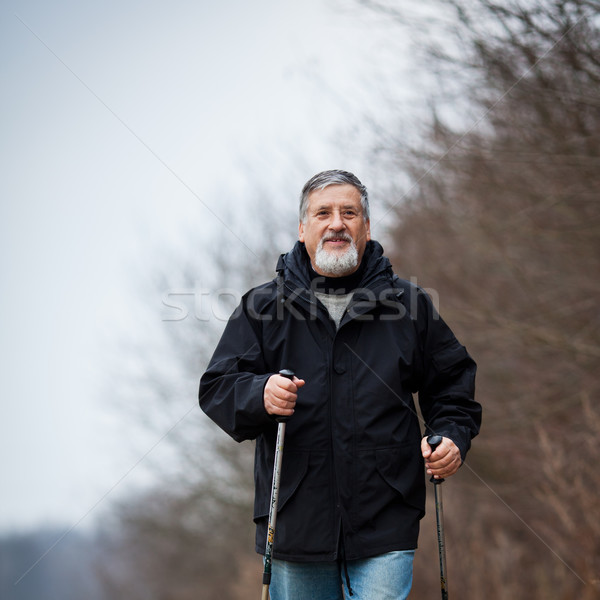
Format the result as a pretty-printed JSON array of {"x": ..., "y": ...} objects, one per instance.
[{"x": 333, "y": 177}]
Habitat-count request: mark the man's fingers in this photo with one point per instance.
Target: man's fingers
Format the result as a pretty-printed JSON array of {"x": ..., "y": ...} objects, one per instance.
[
  {"x": 425, "y": 448},
  {"x": 441, "y": 461},
  {"x": 298, "y": 382},
  {"x": 291, "y": 385},
  {"x": 280, "y": 406},
  {"x": 445, "y": 461},
  {"x": 280, "y": 395},
  {"x": 281, "y": 410}
]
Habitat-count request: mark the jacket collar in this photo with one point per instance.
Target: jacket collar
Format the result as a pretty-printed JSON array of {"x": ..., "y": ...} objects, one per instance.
[
  {"x": 377, "y": 284},
  {"x": 294, "y": 267}
]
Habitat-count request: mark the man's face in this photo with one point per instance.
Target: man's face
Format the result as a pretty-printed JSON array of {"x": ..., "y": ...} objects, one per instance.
[{"x": 334, "y": 232}]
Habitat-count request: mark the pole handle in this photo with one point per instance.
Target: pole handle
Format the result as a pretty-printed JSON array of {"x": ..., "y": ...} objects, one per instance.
[
  {"x": 290, "y": 375},
  {"x": 434, "y": 441}
]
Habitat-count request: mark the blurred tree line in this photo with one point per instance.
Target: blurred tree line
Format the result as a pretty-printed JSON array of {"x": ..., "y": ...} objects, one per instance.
[
  {"x": 46, "y": 563},
  {"x": 497, "y": 210},
  {"x": 502, "y": 218}
]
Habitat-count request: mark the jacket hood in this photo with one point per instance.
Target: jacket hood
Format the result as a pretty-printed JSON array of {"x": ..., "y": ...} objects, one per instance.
[{"x": 295, "y": 268}]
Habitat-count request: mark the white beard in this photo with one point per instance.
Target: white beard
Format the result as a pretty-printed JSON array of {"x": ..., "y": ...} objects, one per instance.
[{"x": 334, "y": 264}]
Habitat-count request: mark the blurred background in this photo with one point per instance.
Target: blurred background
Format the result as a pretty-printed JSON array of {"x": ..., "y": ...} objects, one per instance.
[{"x": 152, "y": 156}]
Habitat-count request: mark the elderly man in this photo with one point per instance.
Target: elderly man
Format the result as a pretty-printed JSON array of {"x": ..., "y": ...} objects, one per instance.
[{"x": 361, "y": 342}]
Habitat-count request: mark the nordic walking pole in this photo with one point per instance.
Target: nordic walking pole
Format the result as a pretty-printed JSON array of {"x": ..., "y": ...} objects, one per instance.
[
  {"x": 434, "y": 441},
  {"x": 274, "y": 497}
]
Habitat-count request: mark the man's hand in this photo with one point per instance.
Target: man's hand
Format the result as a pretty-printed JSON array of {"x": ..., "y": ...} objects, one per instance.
[
  {"x": 445, "y": 461},
  {"x": 280, "y": 395}
]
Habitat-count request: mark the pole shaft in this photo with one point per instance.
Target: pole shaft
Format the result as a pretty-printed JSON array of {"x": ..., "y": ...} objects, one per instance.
[
  {"x": 274, "y": 496},
  {"x": 265, "y": 592},
  {"x": 273, "y": 509},
  {"x": 439, "y": 514}
]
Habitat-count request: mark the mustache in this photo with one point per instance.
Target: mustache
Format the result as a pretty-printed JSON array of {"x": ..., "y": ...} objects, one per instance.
[{"x": 336, "y": 236}]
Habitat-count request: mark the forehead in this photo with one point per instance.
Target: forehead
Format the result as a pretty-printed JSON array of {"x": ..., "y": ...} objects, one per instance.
[{"x": 335, "y": 195}]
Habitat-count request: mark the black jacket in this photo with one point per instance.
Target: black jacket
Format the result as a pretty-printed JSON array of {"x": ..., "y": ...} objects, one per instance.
[{"x": 352, "y": 475}]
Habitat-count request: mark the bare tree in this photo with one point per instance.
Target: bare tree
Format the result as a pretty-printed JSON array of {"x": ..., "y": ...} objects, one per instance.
[{"x": 500, "y": 215}]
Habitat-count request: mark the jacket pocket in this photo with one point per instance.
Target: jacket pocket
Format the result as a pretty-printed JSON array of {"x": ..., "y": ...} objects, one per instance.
[
  {"x": 305, "y": 524},
  {"x": 402, "y": 470},
  {"x": 293, "y": 470}
]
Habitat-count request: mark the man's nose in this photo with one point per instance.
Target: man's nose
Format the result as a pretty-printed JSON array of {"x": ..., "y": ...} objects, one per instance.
[{"x": 336, "y": 223}]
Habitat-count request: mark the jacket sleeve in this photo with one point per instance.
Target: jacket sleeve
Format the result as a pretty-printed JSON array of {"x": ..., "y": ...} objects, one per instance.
[
  {"x": 447, "y": 388},
  {"x": 231, "y": 389}
]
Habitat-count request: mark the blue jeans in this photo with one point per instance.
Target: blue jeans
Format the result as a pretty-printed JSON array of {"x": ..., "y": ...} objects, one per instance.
[{"x": 384, "y": 577}]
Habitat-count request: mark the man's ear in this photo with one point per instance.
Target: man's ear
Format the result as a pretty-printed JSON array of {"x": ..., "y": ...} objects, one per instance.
[
  {"x": 301, "y": 231},
  {"x": 368, "y": 230}
]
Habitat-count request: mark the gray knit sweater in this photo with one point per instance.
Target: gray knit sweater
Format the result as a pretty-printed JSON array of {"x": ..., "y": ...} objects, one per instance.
[{"x": 335, "y": 304}]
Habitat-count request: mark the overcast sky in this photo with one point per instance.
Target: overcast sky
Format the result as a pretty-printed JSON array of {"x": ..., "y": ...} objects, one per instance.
[{"x": 122, "y": 124}]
